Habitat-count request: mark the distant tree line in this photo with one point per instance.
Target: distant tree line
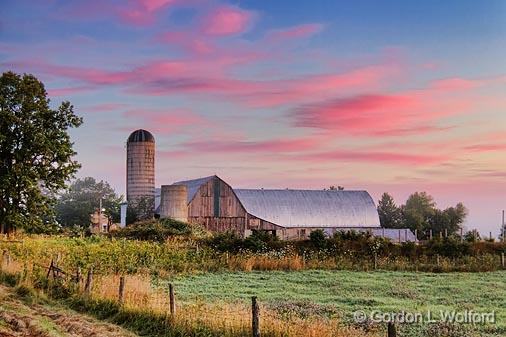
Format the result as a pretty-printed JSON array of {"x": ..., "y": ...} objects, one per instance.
[{"x": 420, "y": 213}]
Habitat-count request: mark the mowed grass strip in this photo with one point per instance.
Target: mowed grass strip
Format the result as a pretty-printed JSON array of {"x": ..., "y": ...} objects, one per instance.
[{"x": 349, "y": 291}]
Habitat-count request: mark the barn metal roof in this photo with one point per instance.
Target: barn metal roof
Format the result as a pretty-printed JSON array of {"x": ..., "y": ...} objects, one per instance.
[
  {"x": 311, "y": 208},
  {"x": 193, "y": 185}
]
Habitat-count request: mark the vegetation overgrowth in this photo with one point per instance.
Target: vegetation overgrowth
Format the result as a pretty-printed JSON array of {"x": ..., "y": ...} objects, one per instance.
[{"x": 178, "y": 248}]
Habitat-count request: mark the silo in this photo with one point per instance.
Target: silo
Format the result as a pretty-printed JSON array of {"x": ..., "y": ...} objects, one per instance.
[
  {"x": 140, "y": 167},
  {"x": 173, "y": 202}
]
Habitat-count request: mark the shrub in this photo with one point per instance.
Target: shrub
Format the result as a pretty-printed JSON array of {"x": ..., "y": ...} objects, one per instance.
[
  {"x": 154, "y": 230},
  {"x": 317, "y": 238}
]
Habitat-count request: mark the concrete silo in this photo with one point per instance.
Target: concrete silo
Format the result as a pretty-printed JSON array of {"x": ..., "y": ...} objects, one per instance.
[
  {"x": 174, "y": 202},
  {"x": 140, "y": 167}
]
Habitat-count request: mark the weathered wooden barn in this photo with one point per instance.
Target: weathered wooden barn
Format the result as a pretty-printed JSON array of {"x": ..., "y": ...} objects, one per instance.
[{"x": 286, "y": 213}]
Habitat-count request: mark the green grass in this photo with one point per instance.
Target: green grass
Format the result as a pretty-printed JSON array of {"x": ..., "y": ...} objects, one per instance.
[{"x": 348, "y": 291}]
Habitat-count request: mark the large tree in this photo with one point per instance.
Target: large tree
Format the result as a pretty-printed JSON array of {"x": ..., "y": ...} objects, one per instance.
[
  {"x": 390, "y": 214},
  {"x": 82, "y": 198},
  {"x": 418, "y": 211},
  {"x": 35, "y": 151}
]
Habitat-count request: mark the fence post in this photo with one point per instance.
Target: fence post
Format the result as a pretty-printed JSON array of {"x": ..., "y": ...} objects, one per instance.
[
  {"x": 430, "y": 234},
  {"x": 172, "y": 300},
  {"x": 391, "y": 330},
  {"x": 437, "y": 259},
  {"x": 255, "y": 317},
  {"x": 399, "y": 236},
  {"x": 121, "y": 289},
  {"x": 446, "y": 232},
  {"x": 502, "y": 260},
  {"x": 50, "y": 269},
  {"x": 89, "y": 281}
]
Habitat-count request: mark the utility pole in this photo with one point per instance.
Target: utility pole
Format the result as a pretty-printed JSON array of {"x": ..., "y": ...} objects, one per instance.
[{"x": 503, "y": 228}]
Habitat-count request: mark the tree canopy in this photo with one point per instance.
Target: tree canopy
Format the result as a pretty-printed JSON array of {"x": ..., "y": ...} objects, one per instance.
[
  {"x": 35, "y": 150},
  {"x": 82, "y": 198},
  {"x": 389, "y": 214},
  {"x": 420, "y": 213}
]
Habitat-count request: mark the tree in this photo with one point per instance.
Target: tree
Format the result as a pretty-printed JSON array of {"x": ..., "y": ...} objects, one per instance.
[
  {"x": 418, "y": 211},
  {"x": 141, "y": 209},
  {"x": 35, "y": 150},
  {"x": 390, "y": 214},
  {"x": 333, "y": 188},
  {"x": 82, "y": 198}
]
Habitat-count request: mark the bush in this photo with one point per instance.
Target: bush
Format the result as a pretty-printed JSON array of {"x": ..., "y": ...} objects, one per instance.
[
  {"x": 317, "y": 238},
  {"x": 154, "y": 230}
]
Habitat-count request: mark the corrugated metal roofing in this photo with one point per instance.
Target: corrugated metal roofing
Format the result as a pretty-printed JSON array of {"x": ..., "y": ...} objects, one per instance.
[
  {"x": 311, "y": 208},
  {"x": 193, "y": 185}
]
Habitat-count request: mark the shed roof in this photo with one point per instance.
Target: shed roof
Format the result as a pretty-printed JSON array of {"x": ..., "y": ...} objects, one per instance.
[{"x": 311, "y": 208}]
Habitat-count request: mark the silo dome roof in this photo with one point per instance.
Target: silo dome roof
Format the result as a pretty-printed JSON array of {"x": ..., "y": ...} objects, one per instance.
[{"x": 141, "y": 136}]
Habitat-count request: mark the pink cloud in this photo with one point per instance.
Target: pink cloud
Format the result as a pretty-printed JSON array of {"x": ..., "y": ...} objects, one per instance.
[
  {"x": 105, "y": 107},
  {"x": 141, "y": 12},
  {"x": 358, "y": 113},
  {"x": 68, "y": 91},
  {"x": 227, "y": 20},
  {"x": 393, "y": 158},
  {"x": 265, "y": 146},
  {"x": 486, "y": 147},
  {"x": 296, "y": 32},
  {"x": 163, "y": 121}
]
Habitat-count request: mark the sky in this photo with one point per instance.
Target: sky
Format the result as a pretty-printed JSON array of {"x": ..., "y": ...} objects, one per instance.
[{"x": 386, "y": 96}]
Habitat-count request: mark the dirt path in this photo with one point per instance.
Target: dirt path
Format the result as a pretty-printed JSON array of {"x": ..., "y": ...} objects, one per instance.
[{"x": 19, "y": 319}]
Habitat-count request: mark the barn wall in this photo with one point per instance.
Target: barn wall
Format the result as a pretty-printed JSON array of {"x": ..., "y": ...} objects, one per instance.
[{"x": 216, "y": 207}]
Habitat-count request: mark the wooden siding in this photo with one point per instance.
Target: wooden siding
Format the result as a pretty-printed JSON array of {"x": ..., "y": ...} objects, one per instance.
[{"x": 232, "y": 216}]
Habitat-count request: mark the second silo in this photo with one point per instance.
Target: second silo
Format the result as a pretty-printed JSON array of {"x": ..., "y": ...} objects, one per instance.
[
  {"x": 140, "y": 167},
  {"x": 174, "y": 202}
]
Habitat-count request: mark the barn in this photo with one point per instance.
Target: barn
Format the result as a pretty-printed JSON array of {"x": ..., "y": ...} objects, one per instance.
[{"x": 287, "y": 213}]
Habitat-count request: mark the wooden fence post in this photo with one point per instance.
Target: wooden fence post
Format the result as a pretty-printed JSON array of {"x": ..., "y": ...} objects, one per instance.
[
  {"x": 255, "y": 317},
  {"x": 89, "y": 281},
  {"x": 502, "y": 260},
  {"x": 437, "y": 259},
  {"x": 172, "y": 300},
  {"x": 446, "y": 232},
  {"x": 121, "y": 289},
  {"x": 50, "y": 269},
  {"x": 391, "y": 330}
]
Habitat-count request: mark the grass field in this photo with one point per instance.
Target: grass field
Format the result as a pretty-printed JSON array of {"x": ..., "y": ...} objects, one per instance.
[{"x": 340, "y": 293}]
